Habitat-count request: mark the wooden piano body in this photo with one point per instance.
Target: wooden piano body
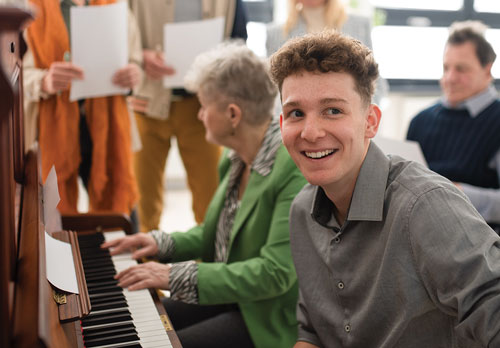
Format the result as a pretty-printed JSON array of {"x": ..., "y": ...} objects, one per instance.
[{"x": 29, "y": 313}]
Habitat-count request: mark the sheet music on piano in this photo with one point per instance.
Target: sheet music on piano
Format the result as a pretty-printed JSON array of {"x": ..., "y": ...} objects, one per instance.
[{"x": 61, "y": 271}]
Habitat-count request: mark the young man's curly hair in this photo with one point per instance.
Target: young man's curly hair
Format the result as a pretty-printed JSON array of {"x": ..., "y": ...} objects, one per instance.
[{"x": 328, "y": 51}]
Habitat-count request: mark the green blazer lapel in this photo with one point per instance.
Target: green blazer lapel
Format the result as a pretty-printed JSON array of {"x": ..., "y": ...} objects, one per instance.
[{"x": 254, "y": 190}]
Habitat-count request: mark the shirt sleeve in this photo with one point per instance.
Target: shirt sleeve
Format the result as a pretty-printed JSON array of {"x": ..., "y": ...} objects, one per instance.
[
  {"x": 32, "y": 79},
  {"x": 486, "y": 200},
  {"x": 457, "y": 257},
  {"x": 166, "y": 245},
  {"x": 184, "y": 282}
]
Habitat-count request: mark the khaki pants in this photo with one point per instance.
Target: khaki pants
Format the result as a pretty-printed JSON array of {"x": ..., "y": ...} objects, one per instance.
[{"x": 200, "y": 160}]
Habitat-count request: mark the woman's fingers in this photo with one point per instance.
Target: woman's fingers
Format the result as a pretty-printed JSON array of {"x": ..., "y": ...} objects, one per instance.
[{"x": 146, "y": 275}]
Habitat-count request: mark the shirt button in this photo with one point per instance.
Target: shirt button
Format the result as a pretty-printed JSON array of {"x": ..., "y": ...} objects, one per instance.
[
  {"x": 347, "y": 328},
  {"x": 340, "y": 285},
  {"x": 337, "y": 240}
]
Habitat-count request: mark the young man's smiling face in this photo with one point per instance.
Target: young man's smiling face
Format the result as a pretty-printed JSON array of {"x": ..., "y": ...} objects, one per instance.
[{"x": 326, "y": 127}]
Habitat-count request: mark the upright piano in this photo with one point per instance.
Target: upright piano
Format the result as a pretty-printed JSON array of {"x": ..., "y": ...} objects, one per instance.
[{"x": 33, "y": 313}]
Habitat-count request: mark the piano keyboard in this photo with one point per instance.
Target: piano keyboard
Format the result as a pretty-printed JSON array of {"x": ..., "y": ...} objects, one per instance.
[{"x": 119, "y": 318}]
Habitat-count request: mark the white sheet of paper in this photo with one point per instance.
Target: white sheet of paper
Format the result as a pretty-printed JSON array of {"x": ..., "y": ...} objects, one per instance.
[
  {"x": 407, "y": 149},
  {"x": 99, "y": 45},
  {"x": 51, "y": 216},
  {"x": 60, "y": 266},
  {"x": 183, "y": 41}
]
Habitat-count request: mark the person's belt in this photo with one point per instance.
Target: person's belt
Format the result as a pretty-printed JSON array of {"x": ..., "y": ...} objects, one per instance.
[{"x": 180, "y": 93}]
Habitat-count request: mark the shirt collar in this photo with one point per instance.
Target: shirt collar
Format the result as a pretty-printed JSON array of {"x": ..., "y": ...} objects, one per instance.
[
  {"x": 367, "y": 203},
  {"x": 477, "y": 103},
  {"x": 264, "y": 160}
]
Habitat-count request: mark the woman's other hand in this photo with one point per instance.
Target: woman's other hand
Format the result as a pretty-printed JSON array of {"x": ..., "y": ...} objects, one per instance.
[
  {"x": 154, "y": 65},
  {"x": 144, "y": 276},
  {"x": 127, "y": 77},
  {"x": 140, "y": 244}
]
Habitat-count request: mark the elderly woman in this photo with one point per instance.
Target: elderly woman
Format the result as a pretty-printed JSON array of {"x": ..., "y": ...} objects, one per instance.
[{"x": 243, "y": 292}]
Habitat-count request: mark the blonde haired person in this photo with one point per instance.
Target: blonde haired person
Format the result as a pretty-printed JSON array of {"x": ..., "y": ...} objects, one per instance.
[
  {"x": 332, "y": 14},
  {"x": 311, "y": 16}
]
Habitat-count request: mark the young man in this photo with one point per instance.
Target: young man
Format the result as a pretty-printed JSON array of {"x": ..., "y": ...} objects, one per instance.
[
  {"x": 459, "y": 135},
  {"x": 387, "y": 252}
]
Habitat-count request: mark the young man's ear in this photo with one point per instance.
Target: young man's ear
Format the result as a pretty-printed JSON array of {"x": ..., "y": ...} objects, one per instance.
[
  {"x": 234, "y": 113},
  {"x": 281, "y": 122},
  {"x": 372, "y": 120}
]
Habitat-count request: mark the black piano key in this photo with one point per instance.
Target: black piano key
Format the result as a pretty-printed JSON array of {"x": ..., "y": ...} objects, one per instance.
[
  {"x": 104, "y": 289},
  {"x": 98, "y": 295},
  {"x": 100, "y": 331},
  {"x": 98, "y": 264},
  {"x": 93, "y": 269},
  {"x": 106, "y": 299},
  {"x": 107, "y": 325},
  {"x": 115, "y": 318},
  {"x": 112, "y": 339},
  {"x": 93, "y": 259},
  {"x": 109, "y": 305},
  {"x": 107, "y": 274},
  {"x": 95, "y": 315},
  {"x": 109, "y": 280}
]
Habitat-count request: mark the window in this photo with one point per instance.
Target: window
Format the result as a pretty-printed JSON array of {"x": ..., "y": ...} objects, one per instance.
[
  {"x": 487, "y": 6},
  {"x": 421, "y": 4},
  {"x": 420, "y": 30},
  {"x": 259, "y": 10}
]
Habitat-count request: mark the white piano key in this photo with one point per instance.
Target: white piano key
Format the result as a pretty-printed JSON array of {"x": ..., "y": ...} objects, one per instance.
[{"x": 155, "y": 345}]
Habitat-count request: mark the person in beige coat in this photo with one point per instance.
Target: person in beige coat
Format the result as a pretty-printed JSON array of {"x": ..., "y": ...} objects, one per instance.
[{"x": 163, "y": 113}]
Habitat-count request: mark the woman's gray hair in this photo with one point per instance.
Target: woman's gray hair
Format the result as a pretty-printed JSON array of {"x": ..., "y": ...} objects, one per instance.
[{"x": 232, "y": 73}]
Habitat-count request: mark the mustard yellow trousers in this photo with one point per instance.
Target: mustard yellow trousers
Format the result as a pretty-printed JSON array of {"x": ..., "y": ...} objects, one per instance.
[{"x": 199, "y": 157}]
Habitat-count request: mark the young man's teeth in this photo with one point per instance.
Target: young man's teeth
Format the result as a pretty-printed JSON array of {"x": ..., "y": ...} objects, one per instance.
[{"x": 318, "y": 154}]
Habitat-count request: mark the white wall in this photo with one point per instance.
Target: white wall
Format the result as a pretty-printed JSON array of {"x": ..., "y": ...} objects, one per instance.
[{"x": 398, "y": 109}]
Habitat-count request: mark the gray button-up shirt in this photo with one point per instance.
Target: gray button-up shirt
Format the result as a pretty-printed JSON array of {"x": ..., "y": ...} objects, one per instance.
[{"x": 413, "y": 266}]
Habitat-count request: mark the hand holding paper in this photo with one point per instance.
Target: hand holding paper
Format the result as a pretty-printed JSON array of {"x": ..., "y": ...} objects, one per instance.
[
  {"x": 200, "y": 36},
  {"x": 59, "y": 77},
  {"x": 154, "y": 65},
  {"x": 128, "y": 76}
]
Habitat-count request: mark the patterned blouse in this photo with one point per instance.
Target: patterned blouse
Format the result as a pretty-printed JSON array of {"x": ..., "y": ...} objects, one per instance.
[{"x": 183, "y": 275}]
